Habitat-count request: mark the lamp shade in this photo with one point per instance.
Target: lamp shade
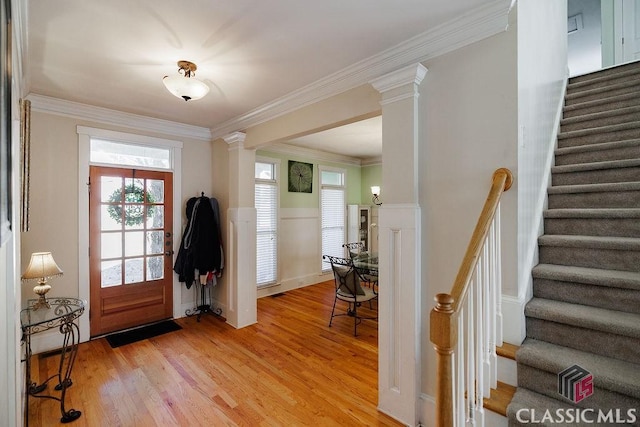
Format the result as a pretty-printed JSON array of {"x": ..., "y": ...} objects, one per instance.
[
  {"x": 185, "y": 87},
  {"x": 41, "y": 266},
  {"x": 375, "y": 190}
]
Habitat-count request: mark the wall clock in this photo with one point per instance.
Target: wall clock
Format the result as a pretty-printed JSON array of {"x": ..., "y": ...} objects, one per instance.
[{"x": 300, "y": 177}]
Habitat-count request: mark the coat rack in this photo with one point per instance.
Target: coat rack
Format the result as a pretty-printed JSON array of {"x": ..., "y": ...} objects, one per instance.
[
  {"x": 204, "y": 290},
  {"x": 205, "y": 302}
]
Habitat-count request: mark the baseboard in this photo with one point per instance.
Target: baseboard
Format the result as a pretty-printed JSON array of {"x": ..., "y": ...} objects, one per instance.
[
  {"x": 427, "y": 410},
  {"x": 294, "y": 283},
  {"x": 46, "y": 341}
]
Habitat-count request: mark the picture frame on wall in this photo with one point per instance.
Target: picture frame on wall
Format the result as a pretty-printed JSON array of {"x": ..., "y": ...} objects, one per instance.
[
  {"x": 300, "y": 177},
  {"x": 5, "y": 121}
]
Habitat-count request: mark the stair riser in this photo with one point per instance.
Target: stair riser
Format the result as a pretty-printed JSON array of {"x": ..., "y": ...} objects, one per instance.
[
  {"x": 614, "y": 227},
  {"x": 596, "y": 138},
  {"x": 570, "y": 100},
  {"x": 628, "y": 101},
  {"x": 597, "y": 342},
  {"x": 546, "y": 383},
  {"x": 605, "y": 121},
  {"x": 622, "y": 153},
  {"x": 598, "y": 176},
  {"x": 620, "y": 199},
  {"x": 609, "y": 259},
  {"x": 627, "y": 300}
]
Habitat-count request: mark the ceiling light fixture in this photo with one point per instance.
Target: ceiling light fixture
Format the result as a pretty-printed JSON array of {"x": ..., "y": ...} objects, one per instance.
[{"x": 185, "y": 85}]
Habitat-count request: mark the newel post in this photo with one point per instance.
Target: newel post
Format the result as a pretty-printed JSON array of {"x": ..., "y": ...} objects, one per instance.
[{"x": 444, "y": 336}]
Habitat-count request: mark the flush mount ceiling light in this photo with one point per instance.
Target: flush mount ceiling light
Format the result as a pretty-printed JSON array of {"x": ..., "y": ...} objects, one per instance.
[{"x": 185, "y": 85}]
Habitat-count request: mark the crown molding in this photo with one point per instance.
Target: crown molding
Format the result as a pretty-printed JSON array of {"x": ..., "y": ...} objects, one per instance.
[
  {"x": 371, "y": 161},
  {"x": 480, "y": 23},
  {"x": 308, "y": 153},
  {"x": 60, "y": 107}
]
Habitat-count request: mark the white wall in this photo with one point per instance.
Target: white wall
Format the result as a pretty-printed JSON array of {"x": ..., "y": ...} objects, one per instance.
[
  {"x": 542, "y": 71},
  {"x": 584, "y": 45},
  {"x": 54, "y": 198},
  {"x": 468, "y": 125}
]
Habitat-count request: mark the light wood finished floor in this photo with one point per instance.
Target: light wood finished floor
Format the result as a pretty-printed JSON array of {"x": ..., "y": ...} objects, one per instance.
[{"x": 290, "y": 369}]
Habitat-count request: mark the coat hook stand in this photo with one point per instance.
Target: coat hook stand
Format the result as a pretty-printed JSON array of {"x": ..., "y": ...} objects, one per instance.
[{"x": 205, "y": 303}]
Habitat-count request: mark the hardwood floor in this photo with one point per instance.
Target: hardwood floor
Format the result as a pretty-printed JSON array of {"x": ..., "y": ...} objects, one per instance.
[{"x": 290, "y": 369}]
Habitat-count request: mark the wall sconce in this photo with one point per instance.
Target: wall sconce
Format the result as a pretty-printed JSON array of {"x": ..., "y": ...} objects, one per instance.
[
  {"x": 40, "y": 268},
  {"x": 375, "y": 190},
  {"x": 185, "y": 85}
]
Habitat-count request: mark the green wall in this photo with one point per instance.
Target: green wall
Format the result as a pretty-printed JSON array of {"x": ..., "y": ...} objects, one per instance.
[
  {"x": 371, "y": 175},
  {"x": 312, "y": 200}
]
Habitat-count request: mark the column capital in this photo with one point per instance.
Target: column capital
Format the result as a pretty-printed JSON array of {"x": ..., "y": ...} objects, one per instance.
[
  {"x": 235, "y": 139},
  {"x": 412, "y": 74}
]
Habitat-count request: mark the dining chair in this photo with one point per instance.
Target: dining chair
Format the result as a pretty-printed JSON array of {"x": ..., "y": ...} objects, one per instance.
[
  {"x": 348, "y": 289},
  {"x": 354, "y": 248}
]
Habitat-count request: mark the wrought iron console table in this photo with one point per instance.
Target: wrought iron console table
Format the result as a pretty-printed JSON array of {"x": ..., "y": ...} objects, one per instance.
[{"x": 62, "y": 314}]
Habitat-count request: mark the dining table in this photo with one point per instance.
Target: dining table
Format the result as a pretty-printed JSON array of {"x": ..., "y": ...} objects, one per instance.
[{"x": 366, "y": 263}]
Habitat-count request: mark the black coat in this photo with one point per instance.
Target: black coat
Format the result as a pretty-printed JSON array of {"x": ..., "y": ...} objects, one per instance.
[{"x": 200, "y": 246}]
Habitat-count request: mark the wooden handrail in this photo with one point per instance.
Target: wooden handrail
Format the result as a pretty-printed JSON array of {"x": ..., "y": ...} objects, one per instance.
[
  {"x": 444, "y": 317},
  {"x": 501, "y": 182}
]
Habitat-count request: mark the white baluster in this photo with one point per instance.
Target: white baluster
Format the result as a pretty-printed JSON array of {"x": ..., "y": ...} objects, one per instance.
[
  {"x": 471, "y": 352},
  {"x": 498, "y": 290},
  {"x": 460, "y": 372},
  {"x": 480, "y": 314}
]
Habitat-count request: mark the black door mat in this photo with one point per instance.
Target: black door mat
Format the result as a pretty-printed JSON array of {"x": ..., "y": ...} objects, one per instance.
[{"x": 143, "y": 333}]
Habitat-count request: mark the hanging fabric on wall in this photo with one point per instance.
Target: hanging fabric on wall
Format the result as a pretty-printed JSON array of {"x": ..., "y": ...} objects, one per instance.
[{"x": 200, "y": 256}]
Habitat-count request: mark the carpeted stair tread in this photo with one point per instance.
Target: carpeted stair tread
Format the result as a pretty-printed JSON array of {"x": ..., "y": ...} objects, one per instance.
[
  {"x": 603, "y": 80},
  {"x": 599, "y": 242},
  {"x": 606, "y": 73},
  {"x": 599, "y": 130},
  {"x": 573, "y": 95},
  {"x": 592, "y": 213},
  {"x": 600, "y": 115},
  {"x": 597, "y": 147},
  {"x": 598, "y": 152},
  {"x": 595, "y": 188},
  {"x": 591, "y": 276},
  {"x": 583, "y": 167},
  {"x": 599, "y": 319},
  {"x": 601, "y": 118},
  {"x": 611, "y": 374},
  {"x": 601, "y": 104}
]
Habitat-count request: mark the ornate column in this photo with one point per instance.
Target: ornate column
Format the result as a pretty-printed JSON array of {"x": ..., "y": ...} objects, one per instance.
[
  {"x": 399, "y": 333},
  {"x": 240, "y": 246}
]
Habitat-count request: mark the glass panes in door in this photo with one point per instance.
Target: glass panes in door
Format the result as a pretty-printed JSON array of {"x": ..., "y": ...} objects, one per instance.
[{"x": 131, "y": 230}]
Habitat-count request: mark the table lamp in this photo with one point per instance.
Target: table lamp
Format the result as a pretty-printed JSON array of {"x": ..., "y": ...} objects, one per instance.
[{"x": 40, "y": 268}]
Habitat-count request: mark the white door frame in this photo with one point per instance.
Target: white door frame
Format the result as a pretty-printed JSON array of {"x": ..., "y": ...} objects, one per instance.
[{"x": 84, "y": 138}]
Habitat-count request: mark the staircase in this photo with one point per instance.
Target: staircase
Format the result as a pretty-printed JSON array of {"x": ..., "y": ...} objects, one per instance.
[{"x": 586, "y": 290}]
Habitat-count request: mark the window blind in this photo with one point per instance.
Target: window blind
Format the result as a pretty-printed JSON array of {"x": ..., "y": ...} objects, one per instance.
[
  {"x": 266, "y": 200},
  {"x": 333, "y": 222}
]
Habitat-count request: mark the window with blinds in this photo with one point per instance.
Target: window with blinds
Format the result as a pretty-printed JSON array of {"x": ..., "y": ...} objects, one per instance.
[
  {"x": 266, "y": 203},
  {"x": 332, "y": 205}
]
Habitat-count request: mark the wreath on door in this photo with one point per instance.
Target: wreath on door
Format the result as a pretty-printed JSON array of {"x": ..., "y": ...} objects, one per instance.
[{"x": 135, "y": 212}]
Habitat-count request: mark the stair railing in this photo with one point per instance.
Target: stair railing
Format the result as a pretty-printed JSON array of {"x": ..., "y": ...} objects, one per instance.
[{"x": 466, "y": 324}]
